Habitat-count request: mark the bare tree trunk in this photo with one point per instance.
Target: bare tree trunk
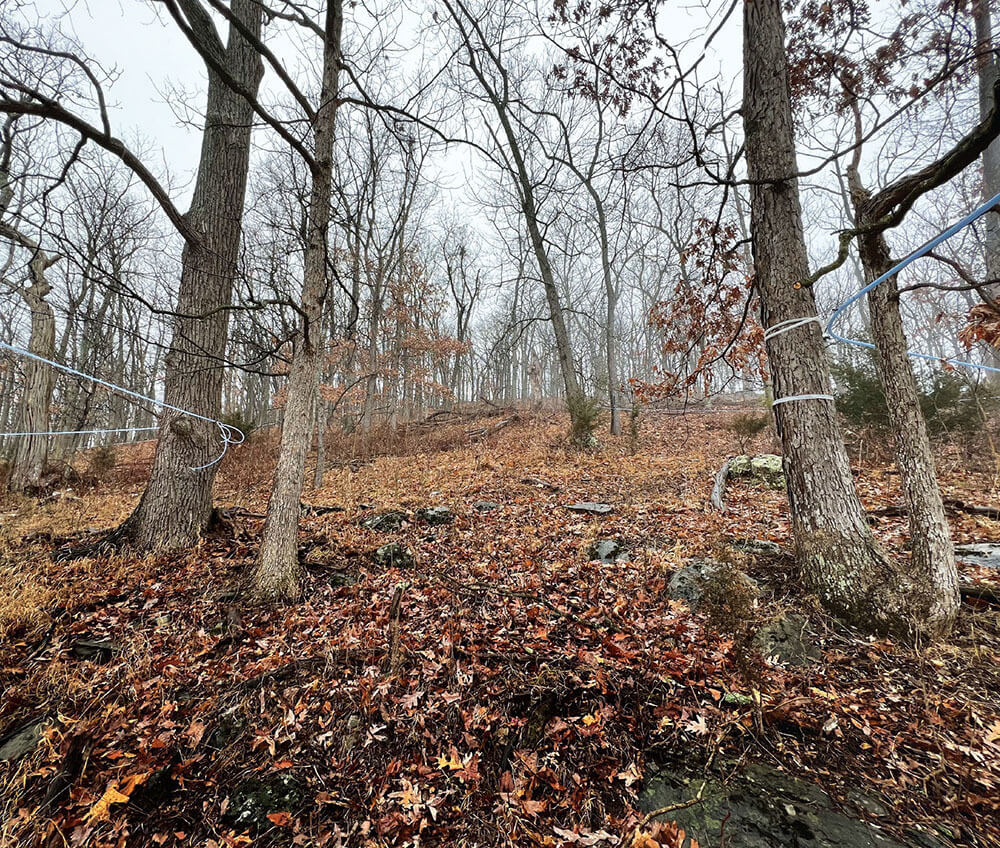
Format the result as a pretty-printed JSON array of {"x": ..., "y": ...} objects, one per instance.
[
  {"x": 988, "y": 71},
  {"x": 835, "y": 549},
  {"x": 277, "y": 572},
  {"x": 321, "y": 421},
  {"x": 611, "y": 296},
  {"x": 564, "y": 350},
  {"x": 177, "y": 502},
  {"x": 525, "y": 187},
  {"x": 31, "y": 452},
  {"x": 932, "y": 595},
  {"x": 371, "y": 384}
]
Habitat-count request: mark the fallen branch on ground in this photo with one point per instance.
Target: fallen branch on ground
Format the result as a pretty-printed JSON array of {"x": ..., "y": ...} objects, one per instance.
[{"x": 719, "y": 489}]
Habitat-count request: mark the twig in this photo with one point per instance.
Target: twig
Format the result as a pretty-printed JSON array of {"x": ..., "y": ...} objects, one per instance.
[
  {"x": 394, "y": 615},
  {"x": 671, "y": 807}
]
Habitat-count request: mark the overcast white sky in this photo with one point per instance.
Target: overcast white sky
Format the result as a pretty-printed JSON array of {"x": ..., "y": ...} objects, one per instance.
[
  {"x": 155, "y": 63},
  {"x": 150, "y": 56}
]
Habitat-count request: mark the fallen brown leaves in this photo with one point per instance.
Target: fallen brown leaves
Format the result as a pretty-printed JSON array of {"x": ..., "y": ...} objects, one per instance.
[{"x": 529, "y": 686}]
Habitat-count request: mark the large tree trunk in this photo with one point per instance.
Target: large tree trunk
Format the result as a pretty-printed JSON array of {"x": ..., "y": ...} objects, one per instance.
[
  {"x": 932, "y": 593},
  {"x": 277, "y": 573},
  {"x": 31, "y": 452},
  {"x": 835, "y": 550},
  {"x": 177, "y": 502},
  {"x": 988, "y": 70}
]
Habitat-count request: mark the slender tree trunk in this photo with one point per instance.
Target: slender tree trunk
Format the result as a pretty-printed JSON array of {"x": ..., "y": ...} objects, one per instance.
[
  {"x": 349, "y": 416},
  {"x": 611, "y": 296},
  {"x": 177, "y": 502},
  {"x": 277, "y": 573},
  {"x": 371, "y": 384},
  {"x": 835, "y": 550},
  {"x": 564, "y": 349},
  {"x": 529, "y": 207},
  {"x": 932, "y": 593},
  {"x": 31, "y": 452},
  {"x": 321, "y": 422}
]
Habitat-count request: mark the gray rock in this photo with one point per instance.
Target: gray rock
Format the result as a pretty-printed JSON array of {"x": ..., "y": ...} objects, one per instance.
[
  {"x": 590, "y": 508},
  {"x": 485, "y": 506},
  {"x": 254, "y": 799},
  {"x": 385, "y": 521},
  {"x": 760, "y": 547},
  {"x": 759, "y": 808},
  {"x": 21, "y": 741},
  {"x": 394, "y": 555},
  {"x": 980, "y": 553},
  {"x": 95, "y": 650},
  {"x": 229, "y": 727},
  {"x": 608, "y": 550},
  {"x": 689, "y": 583},
  {"x": 343, "y": 578},
  {"x": 787, "y": 640},
  {"x": 766, "y": 468},
  {"x": 436, "y": 515}
]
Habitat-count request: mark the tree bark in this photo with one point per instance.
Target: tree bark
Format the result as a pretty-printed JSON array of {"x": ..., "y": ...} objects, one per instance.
[
  {"x": 177, "y": 502},
  {"x": 987, "y": 72},
  {"x": 931, "y": 593},
  {"x": 31, "y": 452},
  {"x": 526, "y": 198},
  {"x": 835, "y": 549},
  {"x": 611, "y": 296},
  {"x": 277, "y": 573}
]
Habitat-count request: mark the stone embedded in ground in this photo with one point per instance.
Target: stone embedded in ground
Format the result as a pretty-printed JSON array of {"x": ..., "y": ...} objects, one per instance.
[
  {"x": 760, "y": 807},
  {"x": 736, "y": 699},
  {"x": 590, "y": 508},
  {"x": 979, "y": 553},
  {"x": 607, "y": 550},
  {"x": 394, "y": 555},
  {"x": 342, "y": 578},
  {"x": 787, "y": 639},
  {"x": 95, "y": 650},
  {"x": 485, "y": 506},
  {"x": 157, "y": 789},
  {"x": 254, "y": 799},
  {"x": 21, "y": 741},
  {"x": 436, "y": 515},
  {"x": 765, "y": 467},
  {"x": 760, "y": 547},
  {"x": 385, "y": 521},
  {"x": 689, "y": 583}
]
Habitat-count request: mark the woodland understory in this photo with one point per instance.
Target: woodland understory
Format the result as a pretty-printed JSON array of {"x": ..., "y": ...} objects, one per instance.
[{"x": 504, "y": 688}]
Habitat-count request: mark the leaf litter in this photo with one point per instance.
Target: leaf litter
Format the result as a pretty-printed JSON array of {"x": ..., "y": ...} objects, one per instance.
[{"x": 531, "y": 686}]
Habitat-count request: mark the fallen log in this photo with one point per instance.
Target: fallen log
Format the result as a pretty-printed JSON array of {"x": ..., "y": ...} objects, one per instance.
[
  {"x": 483, "y": 432},
  {"x": 990, "y": 594},
  {"x": 318, "y": 509},
  {"x": 719, "y": 489},
  {"x": 972, "y": 509},
  {"x": 898, "y": 510}
]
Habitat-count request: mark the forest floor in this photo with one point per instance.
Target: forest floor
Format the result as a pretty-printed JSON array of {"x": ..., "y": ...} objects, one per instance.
[{"x": 504, "y": 688}]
